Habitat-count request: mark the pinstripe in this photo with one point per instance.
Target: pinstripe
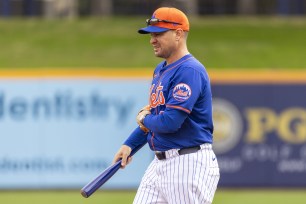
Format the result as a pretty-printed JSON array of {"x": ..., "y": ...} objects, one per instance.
[
  {"x": 170, "y": 181},
  {"x": 167, "y": 180},
  {"x": 216, "y": 178},
  {"x": 183, "y": 176},
  {"x": 204, "y": 175},
  {"x": 142, "y": 197},
  {"x": 188, "y": 179},
  {"x": 188, "y": 187},
  {"x": 194, "y": 171},
  {"x": 156, "y": 197},
  {"x": 213, "y": 186},
  {"x": 205, "y": 197},
  {"x": 174, "y": 165},
  {"x": 141, "y": 193},
  {"x": 211, "y": 182},
  {"x": 161, "y": 179},
  {"x": 149, "y": 172},
  {"x": 147, "y": 194},
  {"x": 156, "y": 200},
  {"x": 209, "y": 188},
  {"x": 207, "y": 176},
  {"x": 137, "y": 197},
  {"x": 191, "y": 175},
  {"x": 178, "y": 180},
  {"x": 199, "y": 172}
]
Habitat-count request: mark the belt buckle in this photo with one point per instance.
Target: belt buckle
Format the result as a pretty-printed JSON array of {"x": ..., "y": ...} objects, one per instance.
[{"x": 160, "y": 155}]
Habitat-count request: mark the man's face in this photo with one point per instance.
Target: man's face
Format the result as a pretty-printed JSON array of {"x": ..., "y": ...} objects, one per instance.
[{"x": 164, "y": 44}]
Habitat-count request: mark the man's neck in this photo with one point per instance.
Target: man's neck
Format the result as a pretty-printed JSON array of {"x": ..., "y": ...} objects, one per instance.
[{"x": 176, "y": 56}]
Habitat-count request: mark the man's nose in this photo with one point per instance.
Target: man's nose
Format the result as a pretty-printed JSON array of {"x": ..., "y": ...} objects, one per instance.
[{"x": 152, "y": 40}]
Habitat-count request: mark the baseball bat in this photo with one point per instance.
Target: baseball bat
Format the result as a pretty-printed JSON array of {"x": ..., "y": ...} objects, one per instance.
[{"x": 104, "y": 176}]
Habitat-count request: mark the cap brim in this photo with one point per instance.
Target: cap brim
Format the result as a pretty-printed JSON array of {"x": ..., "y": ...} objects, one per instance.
[{"x": 152, "y": 29}]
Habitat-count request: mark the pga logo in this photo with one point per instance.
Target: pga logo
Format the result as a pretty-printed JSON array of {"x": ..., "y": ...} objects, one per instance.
[{"x": 228, "y": 125}]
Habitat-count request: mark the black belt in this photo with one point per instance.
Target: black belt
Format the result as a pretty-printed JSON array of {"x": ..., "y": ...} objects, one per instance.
[{"x": 188, "y": 150}]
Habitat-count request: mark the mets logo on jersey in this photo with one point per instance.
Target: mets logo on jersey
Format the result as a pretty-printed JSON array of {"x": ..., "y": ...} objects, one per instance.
[
  {"x": 156, "y": 97},
  {"x": 181, "y": 92}
]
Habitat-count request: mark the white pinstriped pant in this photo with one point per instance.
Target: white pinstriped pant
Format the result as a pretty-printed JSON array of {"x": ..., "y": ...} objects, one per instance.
[{"x": 186, "y": 179}]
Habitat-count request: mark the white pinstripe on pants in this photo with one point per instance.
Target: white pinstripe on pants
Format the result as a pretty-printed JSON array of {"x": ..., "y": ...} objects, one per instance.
[{"x": 186, "y": 179}]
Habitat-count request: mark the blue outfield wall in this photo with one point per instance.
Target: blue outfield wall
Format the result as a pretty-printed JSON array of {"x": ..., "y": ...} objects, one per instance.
[{"x": 61, "y": 132}]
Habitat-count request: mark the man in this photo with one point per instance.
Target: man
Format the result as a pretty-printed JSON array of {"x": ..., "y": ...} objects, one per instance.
[{"x": 178, "y": 122}]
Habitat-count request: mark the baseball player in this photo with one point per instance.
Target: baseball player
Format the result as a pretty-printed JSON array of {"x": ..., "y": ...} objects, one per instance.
[{"x": 177, "y": 124}]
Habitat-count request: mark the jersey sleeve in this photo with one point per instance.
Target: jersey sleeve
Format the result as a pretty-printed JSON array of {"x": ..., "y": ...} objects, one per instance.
[
  {"x": 136, "y": 138},
  {"x": 186, "y": 87},
  {"x": 167, "y": 122}
]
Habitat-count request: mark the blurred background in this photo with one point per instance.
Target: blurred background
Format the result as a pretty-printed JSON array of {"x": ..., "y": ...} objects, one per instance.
[
  {"x": 74, "y": 73},
  {"x": 76, "y": 8}
]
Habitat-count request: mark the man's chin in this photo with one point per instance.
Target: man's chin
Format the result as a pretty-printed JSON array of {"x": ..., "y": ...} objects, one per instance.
[{"x": 158, "y": 55}]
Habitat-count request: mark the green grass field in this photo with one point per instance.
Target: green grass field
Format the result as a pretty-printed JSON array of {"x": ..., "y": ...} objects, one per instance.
[
  {"x": 237, "y": 196},
  {"x": 223, "y": 42}
]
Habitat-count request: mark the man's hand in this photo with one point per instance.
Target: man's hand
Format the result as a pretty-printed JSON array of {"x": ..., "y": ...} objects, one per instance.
[
  {"x": 123, "y": 153},
  {"x": 140, "y": 117}
]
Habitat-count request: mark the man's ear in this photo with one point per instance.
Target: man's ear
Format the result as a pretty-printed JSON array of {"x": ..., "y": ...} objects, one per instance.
[{"x": 179, "y": 34}]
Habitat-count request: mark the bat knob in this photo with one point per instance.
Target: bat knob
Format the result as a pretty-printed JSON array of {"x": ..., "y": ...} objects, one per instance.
[{"x": 84, "y": 194}]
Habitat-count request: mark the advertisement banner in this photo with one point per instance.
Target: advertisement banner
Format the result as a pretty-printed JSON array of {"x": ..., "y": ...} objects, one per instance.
[
  {"x": 61, "y": 133},
  {"x": 260, "y": 133}
]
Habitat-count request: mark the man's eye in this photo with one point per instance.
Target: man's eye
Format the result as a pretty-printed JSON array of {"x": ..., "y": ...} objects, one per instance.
[{"x": 155, "y": 34}]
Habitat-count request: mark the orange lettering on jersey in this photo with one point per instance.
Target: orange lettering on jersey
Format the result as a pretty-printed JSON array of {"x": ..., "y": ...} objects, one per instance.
[
  {"x": 157, "y": 98},
  {"x": 182, "y": 93}
]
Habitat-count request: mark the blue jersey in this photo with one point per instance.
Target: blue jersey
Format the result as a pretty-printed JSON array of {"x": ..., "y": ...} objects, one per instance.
[{"x": 181, "y": 107}]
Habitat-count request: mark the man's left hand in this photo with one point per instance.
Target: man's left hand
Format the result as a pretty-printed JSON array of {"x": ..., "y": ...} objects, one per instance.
[{"x": 140, "y": 117}]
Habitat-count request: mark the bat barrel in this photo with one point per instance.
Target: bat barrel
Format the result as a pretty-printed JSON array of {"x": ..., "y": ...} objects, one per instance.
[{"x": 96, "y": 183}]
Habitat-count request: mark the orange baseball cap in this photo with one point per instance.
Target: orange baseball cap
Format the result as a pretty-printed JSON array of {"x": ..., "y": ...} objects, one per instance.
[{"x": 164, "y": 19}]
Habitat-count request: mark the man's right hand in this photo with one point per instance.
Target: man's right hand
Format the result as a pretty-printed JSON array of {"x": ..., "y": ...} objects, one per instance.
[{"x": 123, "y": 153}]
